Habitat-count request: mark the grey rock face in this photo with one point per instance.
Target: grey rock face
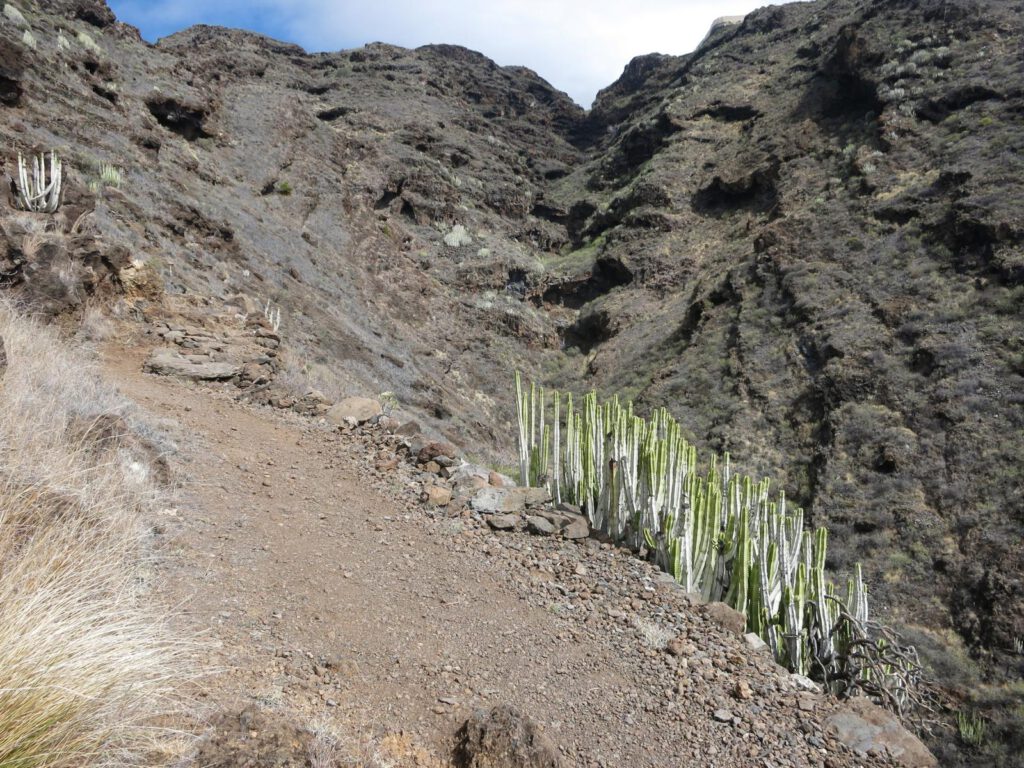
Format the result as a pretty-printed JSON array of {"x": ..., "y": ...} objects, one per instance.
[{"x": 870, "y": 730}]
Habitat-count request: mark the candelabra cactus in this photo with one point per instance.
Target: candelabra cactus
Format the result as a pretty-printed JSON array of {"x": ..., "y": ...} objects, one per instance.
[
  {"x": 273, "y": 316},
  {"x": 719, "y": 533},
  {"x": 40, "y": 191}
]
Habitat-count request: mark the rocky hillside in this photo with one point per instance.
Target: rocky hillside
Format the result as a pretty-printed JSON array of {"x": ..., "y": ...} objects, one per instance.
[{"x": 804, "y": 239}]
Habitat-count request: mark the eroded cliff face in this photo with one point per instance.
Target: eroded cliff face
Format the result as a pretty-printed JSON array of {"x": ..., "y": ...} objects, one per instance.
[{"x": 805, "y": 239}]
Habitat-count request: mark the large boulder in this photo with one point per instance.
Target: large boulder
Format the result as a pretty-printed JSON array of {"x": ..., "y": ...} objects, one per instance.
[
  {"x": 359, "y": 409},
  {"x": 167, "y": 362},
  {"x": 504, "y": 738},
  {"x": 516, "y": 499},
  {"x": 868, "y": 729}
]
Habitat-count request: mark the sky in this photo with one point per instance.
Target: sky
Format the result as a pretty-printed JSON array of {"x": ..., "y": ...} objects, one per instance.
[{"x": 579, "y": 46}]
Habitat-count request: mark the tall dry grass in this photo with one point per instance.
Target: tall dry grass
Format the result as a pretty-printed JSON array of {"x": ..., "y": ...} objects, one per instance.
[{"x": 85, "y": 665}]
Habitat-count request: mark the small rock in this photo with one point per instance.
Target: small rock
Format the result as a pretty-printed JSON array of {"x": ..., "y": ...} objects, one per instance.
[
  {"x": 502, "y": 522},
  {"x": 436, "y": 496},
  {"x": 578, "y": 528},
  {"x": 726, "y": 617},
  {"x": 169, "y": 363},
  {"x": 743, "y": 691},
  {"x": 435, "y": 448},
  {"x": 805, "y": 703},
  {"x": 723, "y": 715},
  {"x": 539, "y": 525},
  {"x": 754, "y": 641}
]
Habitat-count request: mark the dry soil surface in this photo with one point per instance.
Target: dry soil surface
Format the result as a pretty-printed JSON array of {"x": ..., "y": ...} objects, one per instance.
[{"x": 327, "y": 593}]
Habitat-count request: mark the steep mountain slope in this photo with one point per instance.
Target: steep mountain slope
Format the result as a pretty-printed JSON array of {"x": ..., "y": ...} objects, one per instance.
[
  {"x": 804, "y": 238},
  {"x": 818, "y": 214}
]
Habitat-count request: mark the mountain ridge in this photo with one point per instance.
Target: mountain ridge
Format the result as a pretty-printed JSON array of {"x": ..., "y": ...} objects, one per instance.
[{"x": 801, "y": 238}]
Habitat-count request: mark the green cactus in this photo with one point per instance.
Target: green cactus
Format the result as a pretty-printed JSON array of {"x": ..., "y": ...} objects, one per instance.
[{"x": 719, "y": 534}]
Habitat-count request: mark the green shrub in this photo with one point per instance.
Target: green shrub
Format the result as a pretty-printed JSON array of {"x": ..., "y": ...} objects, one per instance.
[{"x": 971, "y": 727}]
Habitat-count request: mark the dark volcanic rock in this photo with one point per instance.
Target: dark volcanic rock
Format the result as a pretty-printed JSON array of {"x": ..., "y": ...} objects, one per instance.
[{"x": 504, "y": 738}]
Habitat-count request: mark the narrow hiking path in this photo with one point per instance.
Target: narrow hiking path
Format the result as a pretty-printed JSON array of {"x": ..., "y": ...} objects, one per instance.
[{"x": 328, "y": 593}]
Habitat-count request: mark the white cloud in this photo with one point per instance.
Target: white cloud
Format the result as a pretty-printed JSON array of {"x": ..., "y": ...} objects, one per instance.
[{"x": 579, "y": 46}]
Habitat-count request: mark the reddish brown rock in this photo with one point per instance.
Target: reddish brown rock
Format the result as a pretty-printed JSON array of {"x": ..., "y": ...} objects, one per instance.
[
  {"x": 436, "y": 496},
  {"x": 435, "y": 448}
]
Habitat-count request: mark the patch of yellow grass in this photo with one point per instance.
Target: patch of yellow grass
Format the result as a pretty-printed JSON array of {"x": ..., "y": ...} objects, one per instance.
[{"x": 84, "y": 666}]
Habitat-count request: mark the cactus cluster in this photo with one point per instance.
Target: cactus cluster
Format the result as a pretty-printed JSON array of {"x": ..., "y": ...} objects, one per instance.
[
  {"x": 273, "y": 316},
  {"x": 40, "y": 190},
  {"x": 720, "y": 534},
  {"x": 107, "y": 175}
]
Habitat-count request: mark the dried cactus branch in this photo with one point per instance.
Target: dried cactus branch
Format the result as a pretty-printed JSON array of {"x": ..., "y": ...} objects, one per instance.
[{"x": 873, "y": 661}]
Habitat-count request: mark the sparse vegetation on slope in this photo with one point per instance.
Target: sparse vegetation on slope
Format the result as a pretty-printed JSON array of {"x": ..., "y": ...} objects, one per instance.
[{"x": 83, "y": 666}]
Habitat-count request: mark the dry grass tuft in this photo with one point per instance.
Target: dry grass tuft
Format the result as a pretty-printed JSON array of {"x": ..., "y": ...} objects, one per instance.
[
  {"x": 84, "y": 666},
  {"x": 330, "y": 748}
]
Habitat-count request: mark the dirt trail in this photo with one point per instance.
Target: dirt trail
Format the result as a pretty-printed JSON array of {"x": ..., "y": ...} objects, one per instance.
[{"x": 328, "y": 598}]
